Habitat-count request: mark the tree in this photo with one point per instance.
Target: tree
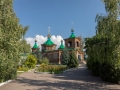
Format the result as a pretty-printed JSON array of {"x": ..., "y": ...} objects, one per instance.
[
  {"x": 38, "y": 56},
  {"x": 10, "y": 34},
  {"x": 65, "y": 56},
  {"x": 25, "y": 47},
  {"x": 30, "y": 61},
  {"x": 81, "y": 43},
  {"x": 103, "y": 48},
  {"x": 73, "y": 61}
]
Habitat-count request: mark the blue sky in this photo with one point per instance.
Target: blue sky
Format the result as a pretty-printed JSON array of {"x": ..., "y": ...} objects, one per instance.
[{"x": 58, "y": 14}]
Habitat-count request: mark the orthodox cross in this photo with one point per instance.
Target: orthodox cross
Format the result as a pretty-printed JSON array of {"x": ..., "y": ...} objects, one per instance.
[
  {"x": 48, "y": 30},
  {"x": 72, "y": 30},
  {"x": 72, "y": 24}
]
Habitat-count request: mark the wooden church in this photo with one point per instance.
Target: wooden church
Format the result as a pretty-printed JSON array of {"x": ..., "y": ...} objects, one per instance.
[{"x": 49, "y": 50}]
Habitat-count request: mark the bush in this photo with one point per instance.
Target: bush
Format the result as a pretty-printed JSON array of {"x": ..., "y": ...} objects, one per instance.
[
  {"x": 52, "y": 68},
  {"x": 22, "y": 69},
  {"x": 109, "y": 73},
  {"x": 30, "y": 61},
  {"x": 95, "y": 68},
  {"x": 45, "y": 61}
]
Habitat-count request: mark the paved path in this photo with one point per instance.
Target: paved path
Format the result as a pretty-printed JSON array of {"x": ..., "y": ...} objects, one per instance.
[{"x": 77, "y": 79}]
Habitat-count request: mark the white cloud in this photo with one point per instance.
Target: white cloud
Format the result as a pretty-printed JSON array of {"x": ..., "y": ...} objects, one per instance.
[{"x": 41, "y": 39}]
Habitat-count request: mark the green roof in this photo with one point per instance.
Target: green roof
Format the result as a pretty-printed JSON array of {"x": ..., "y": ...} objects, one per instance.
[
  {"x": 70, "y": 48},
  {"x": 72, "y": 34},
  {"x": 49, "y": 42},
  {"x": 35, "y": 45},
  {"x": 61, "y": 46}
]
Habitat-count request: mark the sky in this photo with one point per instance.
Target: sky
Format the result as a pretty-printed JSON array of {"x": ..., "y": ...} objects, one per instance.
[{"x": 59, "y": 16}]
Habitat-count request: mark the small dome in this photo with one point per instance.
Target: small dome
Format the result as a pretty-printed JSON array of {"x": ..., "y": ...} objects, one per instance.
[
  {"x": 35, "y": 45},
  {"x": 49, "y": 42},
  {"x": 72, "y": 34},
  {"x": 61, "y": 46}
]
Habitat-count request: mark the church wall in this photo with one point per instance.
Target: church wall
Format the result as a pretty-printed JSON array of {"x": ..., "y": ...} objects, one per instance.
[{"x": 53, "y": 56}]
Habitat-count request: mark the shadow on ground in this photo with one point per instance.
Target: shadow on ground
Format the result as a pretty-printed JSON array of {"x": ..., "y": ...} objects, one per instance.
[{"x": 78, "y": 79}]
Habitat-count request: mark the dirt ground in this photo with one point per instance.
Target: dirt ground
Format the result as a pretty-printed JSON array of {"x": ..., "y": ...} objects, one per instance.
[{"x": 76, "y": 79}]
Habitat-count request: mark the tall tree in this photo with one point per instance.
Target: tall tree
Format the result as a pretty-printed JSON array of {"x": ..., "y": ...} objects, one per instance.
[
  {"x": 10, "y": 34},
  {"x": 82, "y": 43},
  {"x": 38, "y": 56},
  {"x": 103, "y": 48},
  {"x": 65, "y": 56},
  {"x": 24, "y": 46},
  {"x": 73, "y": 61}
]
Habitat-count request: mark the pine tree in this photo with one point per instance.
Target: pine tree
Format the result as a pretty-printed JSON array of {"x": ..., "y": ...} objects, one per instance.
[
  {"x": 73, "y": 61},
  {"x": 10, "y": 34},
  {"x": 38, "y": 56},
  {"x": 65, "y": 57}
]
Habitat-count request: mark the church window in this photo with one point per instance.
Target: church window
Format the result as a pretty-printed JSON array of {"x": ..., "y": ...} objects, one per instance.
[
  {"x": 77, "y": 44},
  {"x": 69, "y": 44}
]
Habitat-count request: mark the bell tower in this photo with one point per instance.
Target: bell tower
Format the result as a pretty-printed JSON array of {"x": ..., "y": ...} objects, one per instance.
[{"x": 73, "y": 42}]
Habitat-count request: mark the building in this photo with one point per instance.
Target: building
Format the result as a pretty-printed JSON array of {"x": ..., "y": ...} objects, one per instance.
[{"x": 49, "y": 50}]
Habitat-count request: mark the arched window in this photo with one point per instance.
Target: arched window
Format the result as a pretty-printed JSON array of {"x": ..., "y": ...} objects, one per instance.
[
  {"x": 77, "y": 44},
  {"x": 69, "y": 44}
]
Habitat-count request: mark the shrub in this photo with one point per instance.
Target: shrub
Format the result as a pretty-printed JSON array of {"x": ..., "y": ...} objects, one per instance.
[
  {"x": 44, "y": 60},
  {"x": 22, "y": 69},
  {"x": 30, "y": 61},
  {"x": 52, "y": 68}
]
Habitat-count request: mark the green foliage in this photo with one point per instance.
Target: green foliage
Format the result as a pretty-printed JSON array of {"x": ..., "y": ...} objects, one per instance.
[
  {"x": 56, "y": 69},
  {"x": 65, "y": 57},
  {"x": 25, "y": 47},
  {"x": 44, "y": 60},
  {"x": 103, "y": 48},
  {"x": 38, "y": 56},
  {"x": 30, "y": 61},
  {"x": 81, "y": 43},
  {"x": 73, "y": 61},
  {"x": 10, "y": 34},
  {"x": 22, "y": 68}
]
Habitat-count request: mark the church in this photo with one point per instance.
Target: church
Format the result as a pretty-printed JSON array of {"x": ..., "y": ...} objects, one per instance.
[{"x": 49, "y": 50}]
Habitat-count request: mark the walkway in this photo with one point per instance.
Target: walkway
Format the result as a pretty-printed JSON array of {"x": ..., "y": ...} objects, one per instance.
[{"x": 78, "y": 79}]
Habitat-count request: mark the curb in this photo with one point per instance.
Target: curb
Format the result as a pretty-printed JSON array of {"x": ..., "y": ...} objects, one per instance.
[
  {"x": 42, "y": 72},
  {"x": 20, "y": 71},
  {"x": 3, "y": 83}
]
